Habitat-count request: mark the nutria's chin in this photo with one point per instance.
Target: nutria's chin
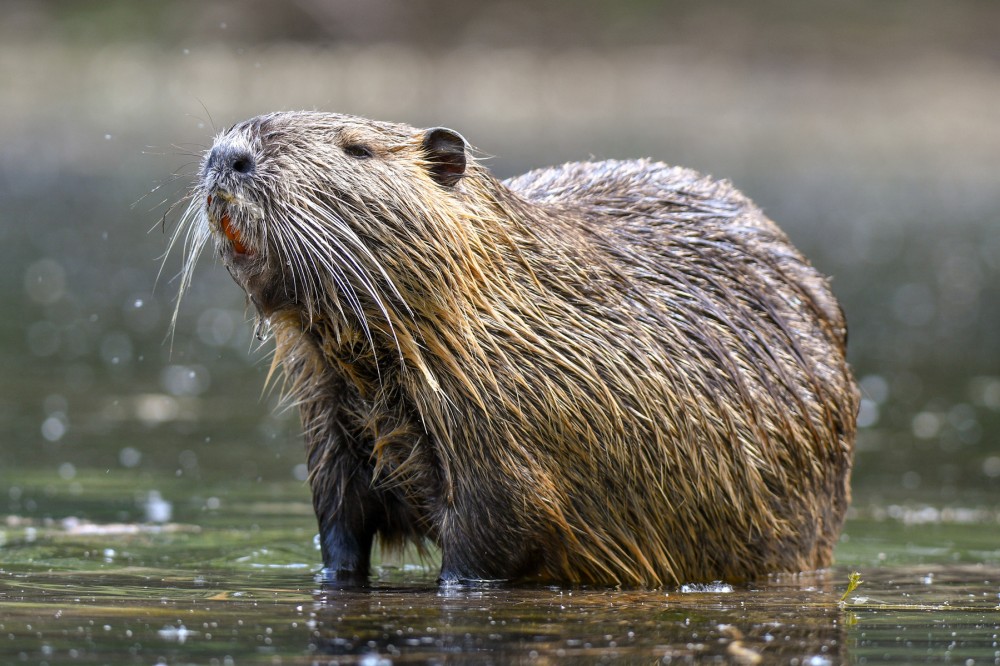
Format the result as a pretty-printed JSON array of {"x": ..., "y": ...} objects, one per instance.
[{"x": 609, "y": 372}]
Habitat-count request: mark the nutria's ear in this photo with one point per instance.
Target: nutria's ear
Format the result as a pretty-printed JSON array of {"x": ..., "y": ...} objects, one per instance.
[{"x": 445, "y": 150}]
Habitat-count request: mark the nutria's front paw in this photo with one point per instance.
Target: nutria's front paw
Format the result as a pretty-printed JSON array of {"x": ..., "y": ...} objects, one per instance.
[
  {"x": 330, "y": 577},
  {"x": 346, "y": 557}
]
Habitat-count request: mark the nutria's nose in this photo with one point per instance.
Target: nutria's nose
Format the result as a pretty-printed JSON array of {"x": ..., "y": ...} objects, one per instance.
[{"x": 226, "y": 157}]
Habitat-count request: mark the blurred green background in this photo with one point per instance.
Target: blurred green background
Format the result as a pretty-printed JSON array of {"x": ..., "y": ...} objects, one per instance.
[{"x": 869, "y": 131}]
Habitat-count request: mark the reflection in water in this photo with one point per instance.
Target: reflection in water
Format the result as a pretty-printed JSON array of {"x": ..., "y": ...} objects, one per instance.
[
  {"x": 793, "y": 618},
  {"x": 147, "y": 614},
  {"x": 237, "y": 585}
]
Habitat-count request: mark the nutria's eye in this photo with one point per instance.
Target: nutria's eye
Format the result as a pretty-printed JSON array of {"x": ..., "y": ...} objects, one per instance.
[{"x": 359, "y": 151}]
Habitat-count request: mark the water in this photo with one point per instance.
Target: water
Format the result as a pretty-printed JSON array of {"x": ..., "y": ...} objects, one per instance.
[
  {"x": 94, "y": 569},
  {"x": 222, "y": 593}
]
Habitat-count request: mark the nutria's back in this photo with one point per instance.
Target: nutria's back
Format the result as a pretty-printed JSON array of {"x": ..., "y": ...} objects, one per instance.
[
  {"x": 610, "y": 372},
  {"x": 744, "y": 352}
]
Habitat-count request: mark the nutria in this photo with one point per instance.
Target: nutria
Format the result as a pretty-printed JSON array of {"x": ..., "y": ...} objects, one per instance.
[{"x": 612, "y": 372}]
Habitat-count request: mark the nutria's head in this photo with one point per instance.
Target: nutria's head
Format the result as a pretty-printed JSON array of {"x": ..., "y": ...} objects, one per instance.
[{"x": 318, "y": 213}]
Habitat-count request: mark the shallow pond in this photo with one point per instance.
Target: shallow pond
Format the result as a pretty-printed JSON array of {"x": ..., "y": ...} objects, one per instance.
[
  {"x": 229, "y": 578},
  {"x": 161, "y": 527}
]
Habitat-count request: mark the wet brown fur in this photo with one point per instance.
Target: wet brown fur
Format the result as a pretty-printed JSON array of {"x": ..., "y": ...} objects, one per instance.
[{"x": 609, "y": 372}]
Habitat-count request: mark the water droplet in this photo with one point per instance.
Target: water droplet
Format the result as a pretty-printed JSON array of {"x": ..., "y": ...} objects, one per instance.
[
  {"x": 188, "y": 460},
  {"x": 107, "y": 137},
  {"x": 129, "y": 457},
  {"x": 158, "y": 510},
  {"x": 926, "y": 425},
  {"x": 875, "y": 388},
  {"x": 986, "y": 391},
  {"x": 54, "y": 427},
  {"x": 45, "y": 281},
  {"x": 911, "y": 480},
  {"x": 185, "y": 380},
  {"x": 991, "y": 467},
  {"x": 138, "y": 303},
  {"x": 262, "y": 331},
  {"x": 217, "y": 327},
  {"x": 179, "y": 634},
  {"x": 116, "y": 348},
  {"x": 707, "y": 588},
  {"x": 868, "y": 414}
]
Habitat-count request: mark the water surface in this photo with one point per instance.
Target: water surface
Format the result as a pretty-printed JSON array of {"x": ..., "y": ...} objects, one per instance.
[{"x": 233, "y": 581}]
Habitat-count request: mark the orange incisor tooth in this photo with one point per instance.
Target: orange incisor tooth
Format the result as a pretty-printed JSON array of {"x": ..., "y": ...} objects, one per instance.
[{"x": 232, "y": 234}]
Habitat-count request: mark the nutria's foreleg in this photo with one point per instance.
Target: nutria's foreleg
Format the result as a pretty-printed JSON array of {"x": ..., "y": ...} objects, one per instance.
[
  {"x": 346, "y": 554},
  {"x": 349, "y": 514}
]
